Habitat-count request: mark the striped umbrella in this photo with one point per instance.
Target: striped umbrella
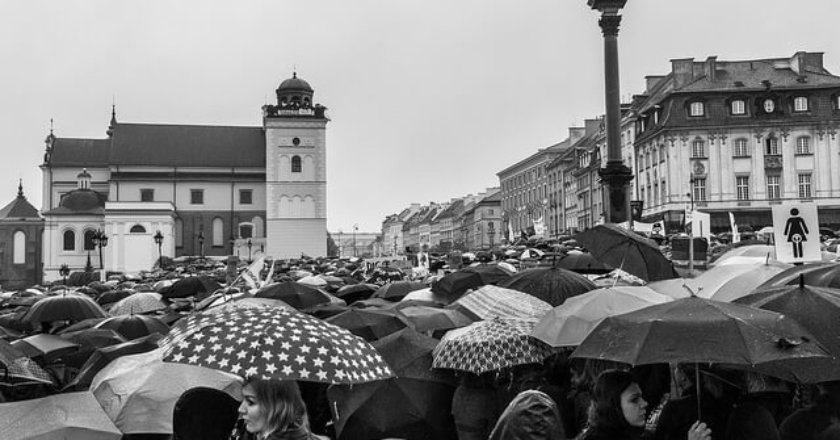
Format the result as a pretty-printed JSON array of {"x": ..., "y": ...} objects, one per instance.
[
  {"x": 489, "y": 346},
  {"x": 492, "y": 301}
]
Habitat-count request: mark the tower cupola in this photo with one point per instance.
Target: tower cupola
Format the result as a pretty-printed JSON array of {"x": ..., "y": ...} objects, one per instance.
[
  {"x": 294, "y": 93},
  {"x": 83, "y": 179}
]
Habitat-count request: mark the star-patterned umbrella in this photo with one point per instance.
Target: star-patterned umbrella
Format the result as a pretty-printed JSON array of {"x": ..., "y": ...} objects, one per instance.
[
  {"x": 490, "y": 345},
  {"x": 274, "y": 343}
]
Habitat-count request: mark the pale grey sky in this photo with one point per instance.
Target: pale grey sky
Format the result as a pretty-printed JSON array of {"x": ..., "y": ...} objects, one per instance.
[{"x": 428, "y": 98}]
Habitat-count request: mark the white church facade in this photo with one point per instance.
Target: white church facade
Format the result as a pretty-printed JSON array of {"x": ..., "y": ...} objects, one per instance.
[{"x": 208, "y": 190}]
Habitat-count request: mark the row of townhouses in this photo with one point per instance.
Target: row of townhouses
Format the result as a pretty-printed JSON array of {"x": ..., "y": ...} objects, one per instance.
[{"x": 721, "y": 136}]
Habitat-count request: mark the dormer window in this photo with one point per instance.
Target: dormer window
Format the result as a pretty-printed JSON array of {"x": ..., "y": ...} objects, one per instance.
[
  {"x": 738, "y": 107},
  {"x": 696, "y": 108},
  {"x": 800, "y": 104}
]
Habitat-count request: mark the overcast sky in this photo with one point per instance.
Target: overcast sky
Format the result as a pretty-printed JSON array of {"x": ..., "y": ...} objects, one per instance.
[{"x": 428, "y": 99}]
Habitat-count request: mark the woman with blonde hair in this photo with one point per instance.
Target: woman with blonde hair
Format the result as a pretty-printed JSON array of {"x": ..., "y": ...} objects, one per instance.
[{"x": 273, "y": 409}]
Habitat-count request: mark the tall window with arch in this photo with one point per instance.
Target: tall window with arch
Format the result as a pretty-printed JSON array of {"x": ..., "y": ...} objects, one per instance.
[
  {"x": 218, "y": 232},
  {"x": 296, "y": 164},
  {"x": 69, "y": 240},
  {"x": 19, "y": 248},
  {"x": 88, "y": 240}
]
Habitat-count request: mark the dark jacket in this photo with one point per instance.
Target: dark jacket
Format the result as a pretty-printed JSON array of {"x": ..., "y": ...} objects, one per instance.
[
  {"x": 630, "y": 433},
  {"x": 808, "y": 423},
  {"x": 531, "y": 415}
]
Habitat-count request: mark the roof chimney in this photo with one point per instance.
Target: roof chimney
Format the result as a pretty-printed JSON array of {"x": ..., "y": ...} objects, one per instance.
[
  {"x": 710, "y": 68},
  {"x": 683, "y": 71},
  {"x": 651, "y": 81}
]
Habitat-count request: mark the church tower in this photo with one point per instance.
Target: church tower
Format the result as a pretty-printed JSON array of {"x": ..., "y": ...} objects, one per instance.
[{"x": 296, "y": 172}]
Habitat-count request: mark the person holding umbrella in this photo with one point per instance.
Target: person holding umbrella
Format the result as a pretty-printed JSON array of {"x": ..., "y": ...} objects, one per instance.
[
  {"x": 272, "y": 409},
  {"x": 618, "y": 410}
]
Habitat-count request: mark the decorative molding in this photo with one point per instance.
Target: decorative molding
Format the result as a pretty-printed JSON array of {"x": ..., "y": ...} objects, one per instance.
[
  {"x": 672, "y": 139},
  {"x": 288, "y": 141},
  {"x": 832, "y": 129},
  {"x": 820, "y": 131},
  {"x": 758, "y": 134},
  {"x": 785, "y": 132},
  {"x": 684, "y": 138}
]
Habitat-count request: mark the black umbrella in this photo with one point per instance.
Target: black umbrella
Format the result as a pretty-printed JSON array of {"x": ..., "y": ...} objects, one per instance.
[
  {"x": 371, "y": 324},
  {"x": 490, "y": 273},
  {"x": 628, "y": 251},
  {"x": 454, "y": 285},
  {"x": 415, "y": 405},
  {"x": 397, "y": 290},
  {"x": 355, "y": 292},
  {"x": 112, "y": 296},
  {"x": 199, "y": 286},
  {"x": 582, "y": 262},
  {"x": 791, "y": 275},
  {"x": 550, "y": 284},
  {"x": 294, "y": 294},
  {"x": 134, "y": 326},
  {"x": 816, "y": 308},
  {"x": 69, "y": 307},
  {"x": 103, "y": 356}
]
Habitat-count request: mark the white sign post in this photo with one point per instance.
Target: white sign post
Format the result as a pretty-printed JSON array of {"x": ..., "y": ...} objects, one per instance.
[{"x": 796, "y": 229}]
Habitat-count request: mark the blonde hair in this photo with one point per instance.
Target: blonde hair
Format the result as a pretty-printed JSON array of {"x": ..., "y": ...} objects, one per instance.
[{"x": 282, "y": 404}]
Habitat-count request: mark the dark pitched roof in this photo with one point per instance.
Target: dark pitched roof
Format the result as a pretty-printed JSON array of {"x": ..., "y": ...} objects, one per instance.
[
  {"x": 452, "y": 210},
  {"x": 188, "y": 145},
  {"x": 19, "y": 208},
  {"x": 492, "y": 198},
  {"x": 80, "y": 201},
  {"x": 752, "y": 74},
  {"x": 80, "y": 152}
]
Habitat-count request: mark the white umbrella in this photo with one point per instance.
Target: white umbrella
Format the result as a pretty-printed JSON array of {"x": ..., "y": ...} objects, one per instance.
[
  {"x": 313, "y": 281},
  {"x": 67, "y": 416},
  {"x": 138, "y": 392}
]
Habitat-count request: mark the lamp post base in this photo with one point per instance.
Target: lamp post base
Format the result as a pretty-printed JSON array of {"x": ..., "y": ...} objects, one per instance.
[{"x": 616, "y": 177}]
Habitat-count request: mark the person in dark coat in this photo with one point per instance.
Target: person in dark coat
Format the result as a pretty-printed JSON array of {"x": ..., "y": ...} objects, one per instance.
[
  {"x": 474, "y": 406},
  {"x": 204, "y": 414},
  {"x": 809, "y": 423},
  {"x": 717, "y": 395},
  {"x": 619, "y": 410},
  {"x": 758, "y": 414},
  {"x": 531, "y": 415}
]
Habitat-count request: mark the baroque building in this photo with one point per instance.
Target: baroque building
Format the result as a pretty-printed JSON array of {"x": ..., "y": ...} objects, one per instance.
[{"x": 209, "y": 190}]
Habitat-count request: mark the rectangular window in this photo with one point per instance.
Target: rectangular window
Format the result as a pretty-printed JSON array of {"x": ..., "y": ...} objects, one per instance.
[
  {"x": 805, "y": 186},
  {"x": 738, "y": 107},
  {"x": 147, "y": 195},
  {"x": 772, "y": 147},
  {"x": 697, "y": 109},
  {"x": 699, "y": 189},
  {"x": 773, "y": 187},
  {"x": 197, "y": 196},
  {"x": 803, "y": 145},
  {"x": 664, "y": 190},
  {"x": 246, "y": 196},
  {"x": 742, "y": 184},
  {"x": 800, "y": 104},
  {"x": 741, "y": 148},
  {"x": 698, "y": 149}
]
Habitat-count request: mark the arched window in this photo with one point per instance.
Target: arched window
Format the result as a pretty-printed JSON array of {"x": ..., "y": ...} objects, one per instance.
[
  {"x": 69, "y": 240},
  {"x": 88, "y": 244},
  {"x": 296, "y": 167},
  {"x": 137, "y": 229},
  {"x": 19, "y": 248},
  {"x": 218, "y": 234},
  {"x": 179, "y": 232},
  {"x": 259, "y": 230}
]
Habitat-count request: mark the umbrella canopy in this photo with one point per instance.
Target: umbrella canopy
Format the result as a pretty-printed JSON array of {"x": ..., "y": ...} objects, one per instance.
[
  {"x": 491, "y": 301},
  {"x": 726, "y": 283},
  {"x": 816, "y": 308},
  {"x": 430, "y": 319},
  {"x": 199, "y": 286},
  {"x": 70, "y": 307},
  {"x": 414, "y": 405},
  {"x": 44, "y": 345},
  {"x": 397, "y": 290},
  {"x": 490, "y": 345},
  {"x": 791, "y": 274},
  {"x": 626, "y": 250},
  {"x": 112, "y": 296},
  {"x": 455, "y": 284},
  {"x": 425, "y": 295},
  {"x": 355, "y": 292},
  {"x": 582, "y": 263},
  {"x": 531, "y": 253},
  {"x": 138, "y": 392},
  {"x": 490, "y": 273},
  {"x": 765, "y": 251},
  {"x": 313, "y": 281},
  {"x": 17, "y": 368},
  {"x": 140, "y": 302},
  {"x": 370, "y": 324},
  {"x": 676, "y": 288},
  {"x": 274, "y": 342},
  {"x": 568, "y": 324},
  {"x": 93, "y": 338},
  {"x": 294, "y": 294},
  {"x": 134, "y": 326},
  {"x": 699, "y": 330},
  {"x": 550, "y": 284},
  {"x": 103, "y": 356},
  {"x": 69, "y": 416}
]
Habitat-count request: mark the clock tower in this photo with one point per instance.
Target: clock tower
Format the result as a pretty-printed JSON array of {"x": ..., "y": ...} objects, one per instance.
[{"x": 296, "y": 172}]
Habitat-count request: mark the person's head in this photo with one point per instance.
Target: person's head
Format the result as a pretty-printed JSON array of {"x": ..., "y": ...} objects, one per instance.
[
  {"x": 270, "y": 405},
  {"x": 617, "y": 402}
]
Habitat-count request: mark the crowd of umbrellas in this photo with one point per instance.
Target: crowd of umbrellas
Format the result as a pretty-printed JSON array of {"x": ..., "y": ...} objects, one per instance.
[{"x": 384, "y": 351}]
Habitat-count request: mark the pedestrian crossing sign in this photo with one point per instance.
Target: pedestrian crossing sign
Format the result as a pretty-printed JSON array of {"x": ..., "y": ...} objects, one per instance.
[{"x": 797, "y": 232}]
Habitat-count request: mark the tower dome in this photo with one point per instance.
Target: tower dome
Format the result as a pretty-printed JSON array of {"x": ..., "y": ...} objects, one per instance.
[{"x": 294, "y": 93}]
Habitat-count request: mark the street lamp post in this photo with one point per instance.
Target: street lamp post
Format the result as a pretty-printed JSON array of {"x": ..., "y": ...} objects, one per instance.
[
  {"x": 250, "y": 244},
  {"x": 159, "y": 242},
  {"x": 355, "y": 228},
  {"x": 615, "y": 175},
  {"x": 339, "y": 243},
  {"x": 690, "y": 226},
  {"x": 100, "y": 239}
]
